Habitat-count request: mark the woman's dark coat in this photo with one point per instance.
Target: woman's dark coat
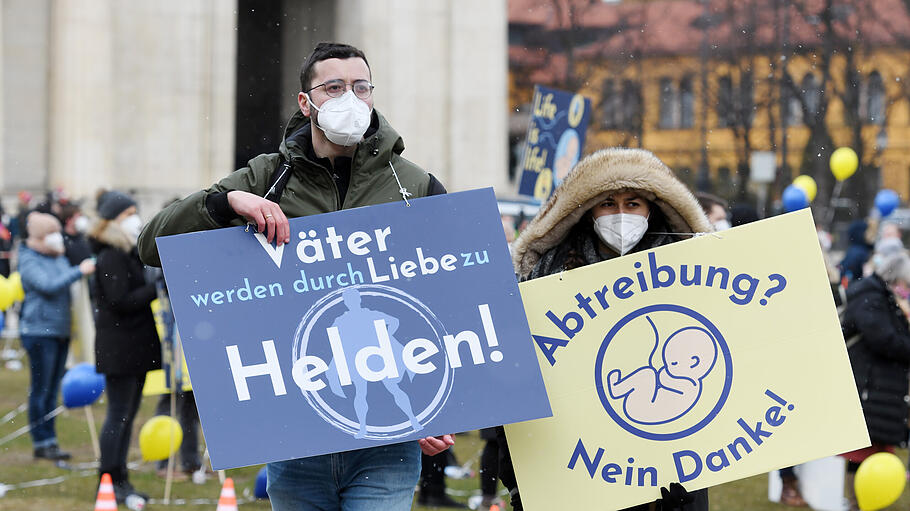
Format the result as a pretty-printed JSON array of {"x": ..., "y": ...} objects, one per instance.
[
  {"x": 880, "y": 358},
  {"x": 126, "y": 341}
]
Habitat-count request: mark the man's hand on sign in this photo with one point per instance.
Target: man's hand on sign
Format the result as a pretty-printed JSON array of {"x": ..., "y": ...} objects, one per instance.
[
  {"x": 264, "y": 214},
  {"x": 433, "y": 445}
]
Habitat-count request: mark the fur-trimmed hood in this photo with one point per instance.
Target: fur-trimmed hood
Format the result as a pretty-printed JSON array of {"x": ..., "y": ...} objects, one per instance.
[
  {"x": 107, "y": 232},
  {"x": 596, "y": 176}
]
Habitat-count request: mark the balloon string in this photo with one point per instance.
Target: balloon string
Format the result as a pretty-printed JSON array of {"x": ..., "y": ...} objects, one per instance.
[
  {"x": 11, "y": 415},
  {"x": 25, "y": 429}
]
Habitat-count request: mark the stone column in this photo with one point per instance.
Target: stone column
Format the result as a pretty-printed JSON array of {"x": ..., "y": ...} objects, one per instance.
[
  {"x": 142, "y": 96},
  {"x": 24, "y": 118},
  {"x": 80, "y": 134},
  {"x": 440, "y": 74}
]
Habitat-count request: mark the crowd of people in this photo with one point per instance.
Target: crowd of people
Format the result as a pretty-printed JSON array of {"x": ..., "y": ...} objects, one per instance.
[{"x": 615, "y": 202}]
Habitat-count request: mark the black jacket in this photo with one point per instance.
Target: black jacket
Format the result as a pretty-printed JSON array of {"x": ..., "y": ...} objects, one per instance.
[
  {"x": 126, "y": 341},
  {"x": 880, "y": 359}
]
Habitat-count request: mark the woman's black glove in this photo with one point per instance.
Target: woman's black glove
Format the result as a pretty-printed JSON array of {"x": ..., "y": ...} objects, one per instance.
[{"x": 674, "y": 499}]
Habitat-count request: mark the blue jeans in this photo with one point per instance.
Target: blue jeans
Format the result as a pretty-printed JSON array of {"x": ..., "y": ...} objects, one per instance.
[
  {"x": 375, "y": 479},
  {"x": 47, "y": 360}
]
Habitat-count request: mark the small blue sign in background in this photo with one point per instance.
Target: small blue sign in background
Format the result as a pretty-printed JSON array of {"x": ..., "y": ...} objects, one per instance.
[
  {"x": 375, "y": 325},
  {"x": 555, "y": 141}
]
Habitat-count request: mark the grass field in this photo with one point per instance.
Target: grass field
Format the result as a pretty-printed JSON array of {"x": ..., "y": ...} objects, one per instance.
[{"x": 75, "y": 489}]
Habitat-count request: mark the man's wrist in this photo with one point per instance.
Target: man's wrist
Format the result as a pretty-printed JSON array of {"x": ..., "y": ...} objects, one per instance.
[{"x": 219, "y": 208}]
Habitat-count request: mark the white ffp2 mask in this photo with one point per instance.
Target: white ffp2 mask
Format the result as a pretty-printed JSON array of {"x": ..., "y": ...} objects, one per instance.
[
  {"x": 132, "y": 226},
  {"x": 54, "y": 241},
  {"x": 344, "y": 119},
  {"x": 621, "y": 231}
]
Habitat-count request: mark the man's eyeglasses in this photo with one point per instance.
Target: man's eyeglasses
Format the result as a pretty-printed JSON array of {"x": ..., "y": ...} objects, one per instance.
[{"x": 335, "y": 88}]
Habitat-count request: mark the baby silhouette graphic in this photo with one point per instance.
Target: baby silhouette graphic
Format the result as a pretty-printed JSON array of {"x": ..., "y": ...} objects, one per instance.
[
  {"x": 660, "y": 395},
  {"x": 357, "y": 328}
]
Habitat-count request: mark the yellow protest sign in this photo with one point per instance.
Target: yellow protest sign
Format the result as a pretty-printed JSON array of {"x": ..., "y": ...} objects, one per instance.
[{"x": 702, "y": 362}]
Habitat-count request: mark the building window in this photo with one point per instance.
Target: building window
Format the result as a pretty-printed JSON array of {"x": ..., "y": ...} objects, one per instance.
[
  {"x": 686, "y": 103},
  {"x": 875, "y": 99},
  {"x": 746, "y": 100},
  {"x": 620, "y": 107},
  {"x": 794, "y": 114},
  {"x": 631, "y": 104},
  {"x": 610, "y": 105},
  {"x": 735, "y": 105},
  {"x": 669, "y": 104},
  {"x": 811, "y": 93},
  {"x": 725, "y": 102}
]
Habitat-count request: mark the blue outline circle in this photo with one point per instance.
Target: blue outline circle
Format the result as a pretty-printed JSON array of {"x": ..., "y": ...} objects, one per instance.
[{"x": 728, "y": 377}]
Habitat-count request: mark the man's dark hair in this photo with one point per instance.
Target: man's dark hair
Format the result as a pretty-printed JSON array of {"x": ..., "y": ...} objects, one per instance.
[
  {"x": 325, "y": 51},
  {"x": 707, "y": 201}
]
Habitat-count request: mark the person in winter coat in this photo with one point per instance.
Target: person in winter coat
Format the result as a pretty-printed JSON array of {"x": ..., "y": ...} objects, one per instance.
[
  {"x": 337, "y": 153},
  {"x": 126, "y": 341},
  {"x": 616, "y": 201},
  {"x": 858, "y": 251},
  {"x": 878, "y": 338},
  {"x": 44, "y": 324}
]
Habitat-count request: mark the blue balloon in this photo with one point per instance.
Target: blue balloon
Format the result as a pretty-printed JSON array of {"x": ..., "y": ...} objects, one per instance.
[
  {"x": 261, "y": 480},
  {"x": 886, "y": 201},
  {"x": 794, "y": 198},
  {"x": 81, "y": 385}
]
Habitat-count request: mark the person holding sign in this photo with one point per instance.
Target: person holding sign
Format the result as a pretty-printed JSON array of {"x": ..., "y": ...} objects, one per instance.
[
  {"x": 619, "y": 201},
  {"x": 337, "y": 153}
]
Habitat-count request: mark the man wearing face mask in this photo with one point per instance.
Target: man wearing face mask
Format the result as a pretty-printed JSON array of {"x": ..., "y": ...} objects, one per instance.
[
  {"x": 337, "y": 152},
  {"x": 44, "y": 324}
]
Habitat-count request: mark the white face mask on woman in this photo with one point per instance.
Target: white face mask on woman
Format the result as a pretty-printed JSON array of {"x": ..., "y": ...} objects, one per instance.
[
  {"x": 54, "y": 241},
  {"x": 344, "y": 119},
  {"x": 621, "y": 231},
  {"x": 132, "y": 226}
]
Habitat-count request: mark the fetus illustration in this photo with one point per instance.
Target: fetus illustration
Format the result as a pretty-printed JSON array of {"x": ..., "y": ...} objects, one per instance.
[{"x": 657, "y": 395}]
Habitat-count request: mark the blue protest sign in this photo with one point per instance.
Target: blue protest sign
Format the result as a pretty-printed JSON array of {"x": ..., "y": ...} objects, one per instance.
[
  {"x": 556, "y": 138},
  {"x": 373, "y": 326}
]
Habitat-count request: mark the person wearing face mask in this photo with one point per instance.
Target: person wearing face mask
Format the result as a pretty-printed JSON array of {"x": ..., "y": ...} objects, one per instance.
[
  {"x": 338, "y": 152},
  {"x": 617, "y": 201},
  {"x": 44, "y": 324},
  {"x": 716, "y": 210},
  {"x": 75, "y": 225},
  {"x": 126, "y": 341}
]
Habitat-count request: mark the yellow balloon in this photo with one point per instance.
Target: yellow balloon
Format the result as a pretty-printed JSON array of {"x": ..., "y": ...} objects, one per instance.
[
  {"x": 7, "y": 293},
  {"x": 806, "y": 184},
  {"x": 879, "y": 481},
  {"x": 843, "y": 163},
  {"x": 159, "y": 438},
  {"x": 18, "y": 291}
]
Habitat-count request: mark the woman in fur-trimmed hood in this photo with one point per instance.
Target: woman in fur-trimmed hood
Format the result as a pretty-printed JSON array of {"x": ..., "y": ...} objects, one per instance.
[
  {"x": 616, "y": 201},
  {"x": 562, "y": 235}
]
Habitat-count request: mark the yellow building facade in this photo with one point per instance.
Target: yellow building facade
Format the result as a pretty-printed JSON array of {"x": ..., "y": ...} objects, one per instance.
[{"x": 698, "y": 118}]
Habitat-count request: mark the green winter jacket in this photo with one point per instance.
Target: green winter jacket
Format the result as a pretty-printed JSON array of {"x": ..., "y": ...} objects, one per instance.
[{"x": 311, "y": 189}]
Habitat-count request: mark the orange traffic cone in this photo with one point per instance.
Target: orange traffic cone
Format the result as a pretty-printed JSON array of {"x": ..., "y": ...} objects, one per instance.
[
  {"x": 228, "y": 499},
  {"x": 106, "y": 500}
]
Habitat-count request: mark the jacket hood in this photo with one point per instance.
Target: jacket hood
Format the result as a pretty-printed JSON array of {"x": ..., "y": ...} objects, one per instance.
[
  {"x": 379, "y": 142},
  {"x": 112, "y": 235},
  {"x": 596, "y": 176},
  {"x": 856, "y": 232}
]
